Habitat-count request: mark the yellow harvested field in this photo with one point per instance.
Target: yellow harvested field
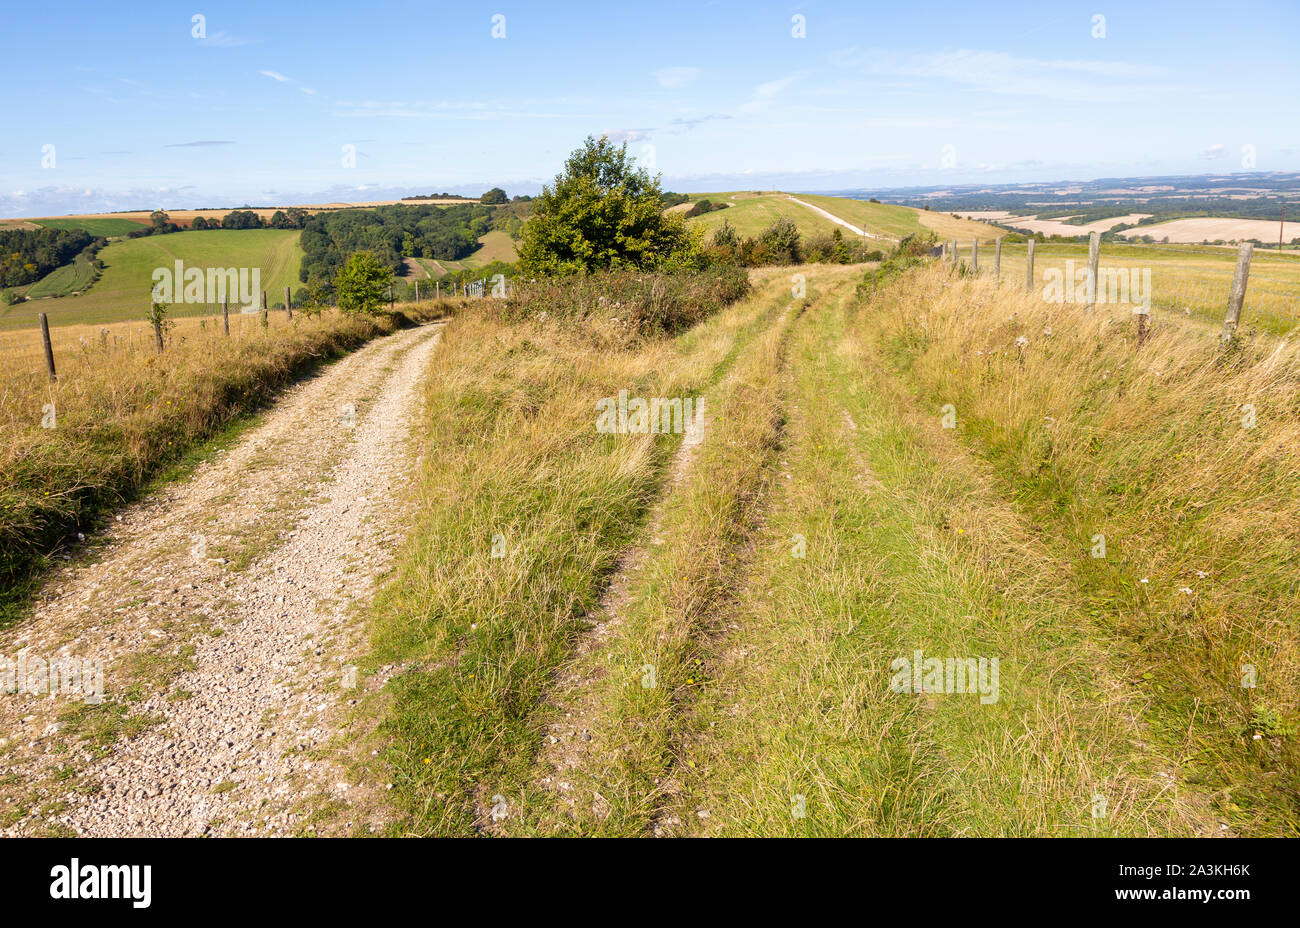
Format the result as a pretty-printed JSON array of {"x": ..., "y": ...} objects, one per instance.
[
  {"x": 265, "y": 212},
  {"x": 947, "y": 227},
  {"x": 1182, "y": 231},
  {"x": 1060, "y": 227}
]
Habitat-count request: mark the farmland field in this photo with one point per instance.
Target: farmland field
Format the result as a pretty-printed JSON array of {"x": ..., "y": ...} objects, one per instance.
[
  {"x": 105, "y": 227},
  {"x": 750, "y": 213},
  {"x": 64, "y": 280},
  {"x": 1191, "y": 280},
  {"x": 122, "y": 292},
  {"x": 496, "y": 245}
]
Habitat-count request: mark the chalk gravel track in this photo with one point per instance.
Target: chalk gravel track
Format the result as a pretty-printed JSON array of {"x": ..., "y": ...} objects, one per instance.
[{"x": 241, "y": 741}]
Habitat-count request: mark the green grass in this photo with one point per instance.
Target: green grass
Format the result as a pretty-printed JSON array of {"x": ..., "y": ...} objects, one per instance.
[
  {"x": 512, "y": 453},
  {"x": 70, "y": 278},
  {"x": 1148, "y": 447},
  {"x": 675, "y": 599},
  {"x": 750, "y": 215},
  {"x": 1190, "y": 280},
  {"x": 123, "y": 290},
  {"x": 798, "y": 732},
  {"x": 496, "y": 245},
  {"x": 104, "y": 227}
]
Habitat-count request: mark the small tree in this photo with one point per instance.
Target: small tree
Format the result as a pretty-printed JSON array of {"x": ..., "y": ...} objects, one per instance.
[
  {"x": 603, "y": 212},
  {"x": 780, "y": 242},
  {"x": 362, "y": 283},
  {"x": 493, "y": 197}
]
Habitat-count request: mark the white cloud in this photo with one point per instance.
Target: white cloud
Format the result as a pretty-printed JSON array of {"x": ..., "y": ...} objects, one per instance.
[
  {"x": 1073, "y": 79},
  {"x": 673, "y": 78},
  {"x": 1214, "y": 151},
  {"x": 274, "y": 75}
]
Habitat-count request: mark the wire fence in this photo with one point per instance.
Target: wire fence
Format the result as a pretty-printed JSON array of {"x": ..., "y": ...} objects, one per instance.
[
  {"x": 74, "y": 345},
  {"x": 1193, "y": 282}
]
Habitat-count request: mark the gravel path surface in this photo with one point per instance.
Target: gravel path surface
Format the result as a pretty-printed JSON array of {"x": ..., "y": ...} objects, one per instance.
[{"x": 224, "y": 610}]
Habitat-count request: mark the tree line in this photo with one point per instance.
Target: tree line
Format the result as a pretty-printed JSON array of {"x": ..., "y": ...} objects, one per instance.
[{"x": 27, "y": 255}]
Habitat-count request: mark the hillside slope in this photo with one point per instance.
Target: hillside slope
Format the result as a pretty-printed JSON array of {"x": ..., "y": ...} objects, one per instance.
[{"x": 122, "y": 292}]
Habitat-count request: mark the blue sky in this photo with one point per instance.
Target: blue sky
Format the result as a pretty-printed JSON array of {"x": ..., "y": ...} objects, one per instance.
[{"x": 716, "y": 96}]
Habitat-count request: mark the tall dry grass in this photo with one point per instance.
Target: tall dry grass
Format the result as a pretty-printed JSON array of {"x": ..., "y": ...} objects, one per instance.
[{"x": 1181, "y": 458}]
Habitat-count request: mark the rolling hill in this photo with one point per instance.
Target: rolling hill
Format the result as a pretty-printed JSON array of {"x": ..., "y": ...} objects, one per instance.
[
  {"x": 122, "y": 292},
  {"x": 750, "y": 212}
]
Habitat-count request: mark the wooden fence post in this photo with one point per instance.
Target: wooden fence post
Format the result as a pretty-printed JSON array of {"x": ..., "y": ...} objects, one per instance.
[
  {"x": 1094, "y": 256},
  {"x": 288, "y": 302},
  {"x": 1029, "y": 265},
  {"x": 49, "y": 349},
  {"x": 437, "y": 289},
  {"x": 225, "y": 314},
  {"x": 997, "y": 259},
  {"x": 417, "y": 291},
  {"x": 953, "y": 252},
  {"x": 1237, "y": 296},
  {"x": 975, "y": 255},
  {"x": 157, "y": 332}
]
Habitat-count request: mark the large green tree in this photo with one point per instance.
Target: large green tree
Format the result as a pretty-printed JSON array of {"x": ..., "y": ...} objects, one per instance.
[{"x": 603, "y": 212}]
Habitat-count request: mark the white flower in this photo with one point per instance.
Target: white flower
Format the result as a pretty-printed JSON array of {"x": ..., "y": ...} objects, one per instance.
[
  {"x": 1144, "y": 580},
  {"x": 1022, "y": 342},
  {"x": 1186, "y": 589}
]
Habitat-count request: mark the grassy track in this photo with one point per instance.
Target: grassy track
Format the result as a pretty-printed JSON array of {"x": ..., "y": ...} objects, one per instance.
[
  {"x": 908, "y": 547},
  {"x": 514, "y": 462},
  {"x": 708, "y": 641},
  {"x": 750, "y": 215},
  {"x": 614, "y": 764},
  {"x": 1181, "y": 459}
]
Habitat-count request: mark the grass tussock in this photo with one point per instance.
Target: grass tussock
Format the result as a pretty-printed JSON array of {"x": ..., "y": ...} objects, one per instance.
[
  {"x": 70, "y": 450},
  {"x": 1168, "y": 473}
]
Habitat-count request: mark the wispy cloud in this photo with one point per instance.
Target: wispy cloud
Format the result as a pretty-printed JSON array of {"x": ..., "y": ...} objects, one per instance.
[
  {"x": 1213, "y": 152},
  {"x": 275, "y": 76},
  {"x": 680, "y": 125},
  {"x": 1071, "y": 79},
  {"x": 202, "y": 143}
]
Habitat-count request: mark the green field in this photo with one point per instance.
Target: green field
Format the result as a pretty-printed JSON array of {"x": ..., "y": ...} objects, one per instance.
[
  {"x": 496, "y": 245},
  {"x": 70, "y": 278},
  {"x": 122, "y": 292},
  {"x": 750, "y": 213},
  {"x": 1193, "y": 280},
  {"x": 104, "y": 227}
]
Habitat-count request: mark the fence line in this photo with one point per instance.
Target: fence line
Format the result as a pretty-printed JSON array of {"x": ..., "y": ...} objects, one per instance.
[
  {"x": 59, "y": 350},
  {"x": 1233, "y": 303}
]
